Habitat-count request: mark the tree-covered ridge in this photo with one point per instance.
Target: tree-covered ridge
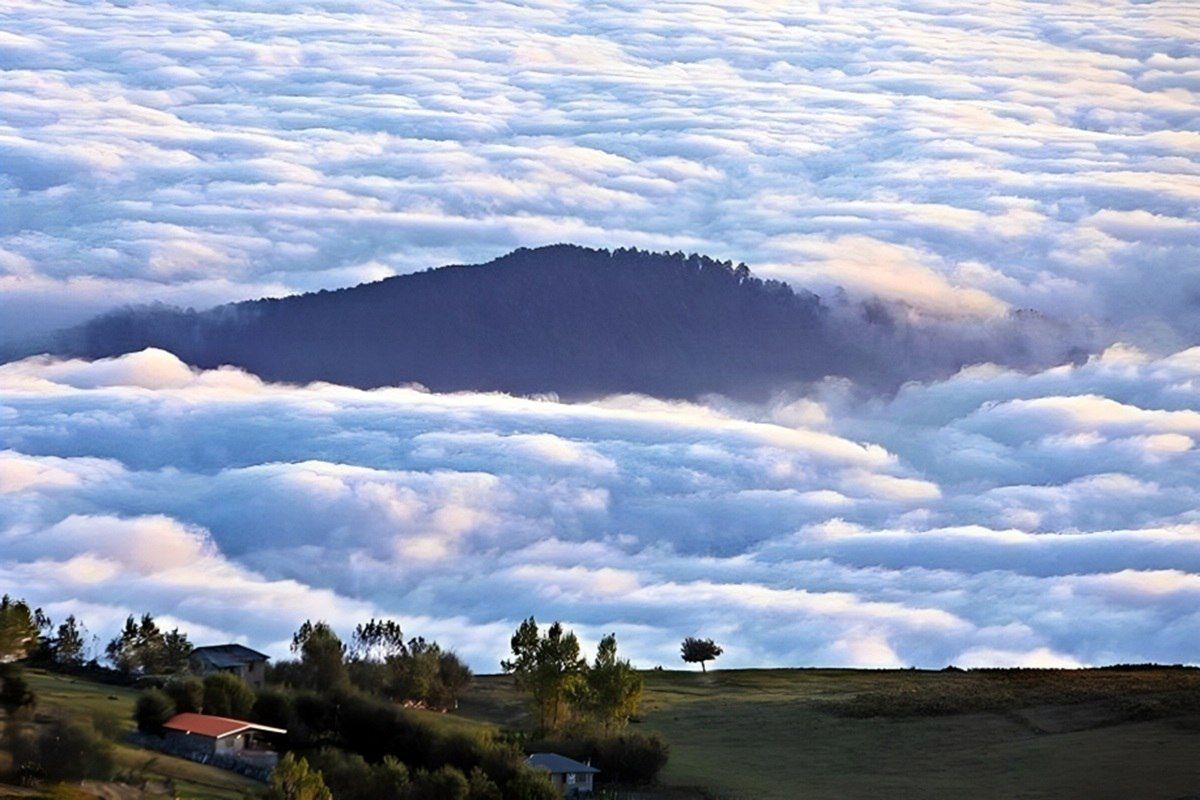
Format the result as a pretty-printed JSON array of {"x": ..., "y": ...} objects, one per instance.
[{"x": 561, "y": 319}]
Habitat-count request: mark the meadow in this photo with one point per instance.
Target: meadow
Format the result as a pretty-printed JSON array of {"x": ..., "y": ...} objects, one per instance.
[
  {"x": 815, "y": 734},
  {"x": 113, "y": 706},
  {"x": 843, "y": 734}
]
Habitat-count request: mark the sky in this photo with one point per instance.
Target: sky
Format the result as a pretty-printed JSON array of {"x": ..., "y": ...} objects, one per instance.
[{"x": 959, "y": 161}]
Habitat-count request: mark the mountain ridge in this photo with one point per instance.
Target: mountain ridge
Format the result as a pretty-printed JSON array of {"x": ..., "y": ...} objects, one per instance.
[{"x": 578, "y": 322}]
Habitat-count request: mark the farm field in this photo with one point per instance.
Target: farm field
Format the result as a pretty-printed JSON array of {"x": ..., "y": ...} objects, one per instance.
[
  {"x": 192, "y": 781},
  {"x": 881, "y": 734},
  {"x": 740, "y": 734}
]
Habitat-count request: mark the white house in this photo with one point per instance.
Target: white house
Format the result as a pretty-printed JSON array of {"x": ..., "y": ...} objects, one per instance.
[
  {"x": 236, "y": 659},
  {"x": 571, "y": 778},
  {"x": 208, "y": 735}
]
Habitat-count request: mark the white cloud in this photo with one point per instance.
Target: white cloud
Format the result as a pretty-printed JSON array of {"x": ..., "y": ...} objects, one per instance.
[
  {"x": 1018, "y": 156},
  {"x": 238, "y": 508}
]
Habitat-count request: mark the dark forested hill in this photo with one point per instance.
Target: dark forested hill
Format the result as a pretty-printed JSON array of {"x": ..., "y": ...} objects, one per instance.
[{"x": 565, "y": 319}]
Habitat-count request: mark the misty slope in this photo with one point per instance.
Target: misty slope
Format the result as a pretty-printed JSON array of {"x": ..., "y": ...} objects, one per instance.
[{"x": 565, "y": 319}]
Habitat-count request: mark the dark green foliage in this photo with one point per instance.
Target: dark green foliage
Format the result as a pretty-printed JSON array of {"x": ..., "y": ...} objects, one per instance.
[
  {"x": 186, "y": 693},
  {"x": 389, "y": 779},
  {"x": 67, "y": 645},
  {"x": 528, "y": 784},
  {"x": 142, "y": 647},
  {"x": 481, "y": 787},
  {"x": 153, "y": 709},
  {"x": 444, "y": 783},
  {"x": 629, "y": 758},
  {"x": 273, "y": 707},
  {"x": 20, "y": 627},
  {"x": 347, "y": 775},
  {"x": 322, "y": 656},
  {"x": 346, "y": 730},
  {"x": 377, "y": 640},
  {"x": 548, "y": 667},
  {"x": 565, "y": 690},
  {"x": 379, "y": 662},
  {"x": 699, "y": 651},
  {"x": 72, "y": 750},
  {"x": 227, "y": 695},
  {"x": 15, "y": 693},
  {"x": 294, "y": 780},
  {"x": 612, "y": 688}
]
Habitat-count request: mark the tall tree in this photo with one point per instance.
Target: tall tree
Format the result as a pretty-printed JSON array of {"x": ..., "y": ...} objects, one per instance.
[
  {"x": 68, "y": 643},
  {"x": 322, "y": 654},
  {"x": 377, "y": 640},
  {"x": 141, "y": 646},
  {"x": 699, "y": 650},
  {"x": 293, "y": 780},
  {"x": 614, "y": 688},
  {"x": 20, "y": 628},
  {"x": 547, "y": 666}
]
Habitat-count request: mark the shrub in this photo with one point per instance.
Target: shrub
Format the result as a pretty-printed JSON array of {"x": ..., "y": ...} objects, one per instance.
[
  {"x": 444, "y": 783},
  {"x": 293, "y": 780},
  {"x": 526, "y": 784},
  {"x": 481, "y": 787},
  {"x": 389, "y": 779},
  {"x": 629, "y": 758},
  {"x": 187, "y": 694},
  {"x": 71, "y": 750},
  {"x": 273, "y": 707},
  {"x": 227, "y": 696},
  {"x": 152, "y": 711},
  {"x": 15, "y": 693}
]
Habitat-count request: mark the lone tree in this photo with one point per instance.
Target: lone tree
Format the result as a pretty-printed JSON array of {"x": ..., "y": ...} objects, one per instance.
[{"x": 700, "y": 650}]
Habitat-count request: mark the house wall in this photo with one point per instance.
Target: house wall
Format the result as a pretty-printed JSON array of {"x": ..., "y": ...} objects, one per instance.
[
  {"x": 254, "y": 673},
  {"x": 191, "y": 742}
]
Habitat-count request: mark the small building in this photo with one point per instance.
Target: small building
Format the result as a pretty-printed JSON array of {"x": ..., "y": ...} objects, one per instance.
[
  {"x": 569, "y": 776},
  {"x": 236, "y": 659},
  {"x": 221, "y": 738}
]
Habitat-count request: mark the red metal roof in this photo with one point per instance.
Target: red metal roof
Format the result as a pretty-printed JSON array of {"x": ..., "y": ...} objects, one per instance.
[{"x": 214, "y": 727}]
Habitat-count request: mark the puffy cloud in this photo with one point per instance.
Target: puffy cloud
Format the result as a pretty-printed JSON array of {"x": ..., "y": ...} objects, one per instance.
[
  {"x": 912, "y": 530},
  {"x": 963, "y": 164}
]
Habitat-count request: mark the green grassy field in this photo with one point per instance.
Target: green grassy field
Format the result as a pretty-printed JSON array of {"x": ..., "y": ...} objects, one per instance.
[
  {"x": 846, "y": 734},
  {"x": 192, "y": 781}
]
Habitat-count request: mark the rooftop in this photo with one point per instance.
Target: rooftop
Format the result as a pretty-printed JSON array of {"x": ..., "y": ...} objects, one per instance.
[
  {"x": 556, "y": 764},
  {"x": 228, "y": 655},
  {"x": 214, "y": 727}
]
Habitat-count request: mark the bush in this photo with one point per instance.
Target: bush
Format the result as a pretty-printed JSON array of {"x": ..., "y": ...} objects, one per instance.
[
  {"x": 526, "y": 784},
  {"x": 629, "y": 758},
  {"x": 227, "y": 695},
  {"x": 187, "y": 694},
  {"x": 389, "y": 779},
  {"x": 293, "y": 780},
  {"x": 15, "y": 693},
  {"x": 444, "y": 783},
  {"x": 71, "y": 750},
  {"x": 152, "y": 711},
  {"x": 273, "y": 707},
  {"x": 347, "y": 775}
]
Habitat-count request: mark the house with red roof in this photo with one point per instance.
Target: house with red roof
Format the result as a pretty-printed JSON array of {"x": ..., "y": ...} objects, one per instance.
[{"x": 208, "y": 737}]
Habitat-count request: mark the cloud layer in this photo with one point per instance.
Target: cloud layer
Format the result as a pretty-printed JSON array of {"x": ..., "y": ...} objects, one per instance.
[
  {"x": 965, "y": 160},
  {"x": 995, "y": 517}
]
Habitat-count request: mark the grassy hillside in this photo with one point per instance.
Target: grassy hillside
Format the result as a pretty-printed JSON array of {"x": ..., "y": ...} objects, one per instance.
[
  {"x": 845, "y": 734},
  {"x": 193, "y": 781}
]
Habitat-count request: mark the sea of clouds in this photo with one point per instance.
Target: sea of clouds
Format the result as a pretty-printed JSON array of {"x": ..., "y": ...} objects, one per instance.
[
  {"x": 993, "y": 518},
  {"x": 965, "y": 158}
]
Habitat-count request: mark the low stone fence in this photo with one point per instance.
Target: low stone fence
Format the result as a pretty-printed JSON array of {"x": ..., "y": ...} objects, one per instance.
[{"x": 254, "y": 771}]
